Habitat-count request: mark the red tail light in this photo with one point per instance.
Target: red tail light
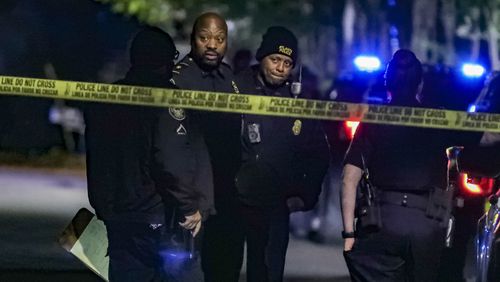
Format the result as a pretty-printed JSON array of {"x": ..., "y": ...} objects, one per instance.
[
  {"x": 476, "y": 185},
  {"x": 350, "y": 128}
]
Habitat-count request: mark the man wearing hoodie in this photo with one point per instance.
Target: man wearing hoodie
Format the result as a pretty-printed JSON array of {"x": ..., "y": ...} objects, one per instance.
[{"x": 141, "y": 161}]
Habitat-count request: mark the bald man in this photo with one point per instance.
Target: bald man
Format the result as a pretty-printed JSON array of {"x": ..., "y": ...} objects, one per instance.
[
  {"x": 203, "y": 69},
  {"x": 209, "y": 41}
]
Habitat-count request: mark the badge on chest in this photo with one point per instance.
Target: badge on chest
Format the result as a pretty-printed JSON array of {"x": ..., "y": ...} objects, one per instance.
[
  {"x": 297, "y": 127},
  {"x": 177, "y": 113},
  {"x": 254, "y": 133}
]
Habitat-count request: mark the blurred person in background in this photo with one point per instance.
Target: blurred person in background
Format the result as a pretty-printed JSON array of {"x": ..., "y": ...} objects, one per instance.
[
  {"x": 312, "y": 224},
  {"x": 241, "y": 60}
]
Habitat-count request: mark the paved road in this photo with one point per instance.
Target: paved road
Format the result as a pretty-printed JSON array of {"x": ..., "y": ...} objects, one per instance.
[{"x": 35, "y": 205}]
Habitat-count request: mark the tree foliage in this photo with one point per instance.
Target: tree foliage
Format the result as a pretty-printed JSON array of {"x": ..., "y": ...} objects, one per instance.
[
  {"x": 319, "y": 24},
  {"x": 263, "y": 12},
  {"x": 149, "y": 11}
]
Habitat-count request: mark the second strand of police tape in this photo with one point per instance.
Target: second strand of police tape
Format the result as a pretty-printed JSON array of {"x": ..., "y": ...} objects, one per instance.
[{"x": 248, "y": 104}]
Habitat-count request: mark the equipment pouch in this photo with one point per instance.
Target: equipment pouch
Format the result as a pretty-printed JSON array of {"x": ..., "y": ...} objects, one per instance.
[
  {"x": 369, "y": 208},
  {"x": 440, "y": 205},
  {"x": 369, "y": 217}
]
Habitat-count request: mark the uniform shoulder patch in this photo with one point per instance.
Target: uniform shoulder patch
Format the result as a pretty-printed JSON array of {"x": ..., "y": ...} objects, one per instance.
[
  {"x": 180, "y": 66},
  {"x": 235, "y": 87}
]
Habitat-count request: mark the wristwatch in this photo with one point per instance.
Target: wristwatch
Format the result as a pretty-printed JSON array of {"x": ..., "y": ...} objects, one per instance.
[{"x": 351, "y": 234}]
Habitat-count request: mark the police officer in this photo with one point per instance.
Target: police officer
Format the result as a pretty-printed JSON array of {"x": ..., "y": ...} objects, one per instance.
[
  {"x": 407, "y": 165},
  {"x": 284, "y": 160},
  {"x": 203, "y": 69},
  {"x": 136, "y": 158}
]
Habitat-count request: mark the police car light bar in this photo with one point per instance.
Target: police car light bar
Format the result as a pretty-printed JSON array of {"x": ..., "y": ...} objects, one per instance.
[
  {"x": 473, "y": 70},
  {"x": 367, "y": 63}
]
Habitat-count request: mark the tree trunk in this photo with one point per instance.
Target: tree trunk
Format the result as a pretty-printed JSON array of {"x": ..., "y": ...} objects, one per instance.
[
  {"x": 321, "y": 53},
  {"x": 377, "y": 29},
  {"x": 448, "y": 16},
  {"x": 476, "y": 34},
  {"x": 424, "y": 29},
  {"x": 348, "y": 20},
  {"x": 492, "y": 34},
  {"x": 493, "y": 46}
]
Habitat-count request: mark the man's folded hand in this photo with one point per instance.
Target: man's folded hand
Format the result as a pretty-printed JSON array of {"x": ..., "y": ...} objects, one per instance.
[{"x": 192, "y": 222}]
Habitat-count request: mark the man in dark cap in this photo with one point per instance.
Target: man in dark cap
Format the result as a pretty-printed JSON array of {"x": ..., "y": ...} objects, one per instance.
[
  {"x": 284, "y": 160},
  {"x": 203, "y": 69},
  {"x": 139, "y": 159}
]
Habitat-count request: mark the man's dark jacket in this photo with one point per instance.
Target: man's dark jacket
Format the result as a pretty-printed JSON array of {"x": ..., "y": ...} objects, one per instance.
[
  {"x": 136, "y": 159},
  {"x": 221, "y": 130},
  {"x": 283, "y": 164}
]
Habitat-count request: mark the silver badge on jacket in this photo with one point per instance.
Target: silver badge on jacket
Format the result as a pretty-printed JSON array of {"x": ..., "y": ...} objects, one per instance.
[
  {"x": 177, "y": 113},
  {"x": 254, "y": 133}
]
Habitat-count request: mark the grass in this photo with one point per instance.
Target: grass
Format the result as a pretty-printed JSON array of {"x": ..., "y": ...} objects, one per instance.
[{"x": 55, "y": 158}]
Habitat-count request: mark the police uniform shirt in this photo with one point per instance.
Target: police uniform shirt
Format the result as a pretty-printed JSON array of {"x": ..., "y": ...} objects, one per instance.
[
  {"x": 404, "y": 158},
  {"x": 221, "y": 130},
  {"x": 282, "y": 156}
]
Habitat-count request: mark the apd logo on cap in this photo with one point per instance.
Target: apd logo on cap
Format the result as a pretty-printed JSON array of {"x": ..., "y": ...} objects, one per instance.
[{"x": 285, "y": 50}]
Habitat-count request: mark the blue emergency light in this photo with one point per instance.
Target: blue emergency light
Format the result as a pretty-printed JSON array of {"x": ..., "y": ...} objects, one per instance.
[
  {"x": 472, "y": 108},
  {"x": 473, "y": 70},
  {"x": 367, "y": 63}
]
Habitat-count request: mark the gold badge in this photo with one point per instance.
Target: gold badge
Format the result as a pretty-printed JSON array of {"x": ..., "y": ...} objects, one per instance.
[{"x": 297, "y": 126}]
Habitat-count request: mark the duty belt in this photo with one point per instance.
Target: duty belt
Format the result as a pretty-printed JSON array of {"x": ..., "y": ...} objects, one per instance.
[{"x": 403, "y": 198}]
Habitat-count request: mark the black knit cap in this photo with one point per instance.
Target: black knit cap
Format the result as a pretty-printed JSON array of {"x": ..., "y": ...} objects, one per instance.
[
  {"x": 278, "y": 40},
  {"x": 152, "y": 47}
]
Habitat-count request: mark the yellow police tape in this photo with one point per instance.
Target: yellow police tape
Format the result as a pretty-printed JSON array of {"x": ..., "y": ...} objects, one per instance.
[{"x": 248, "y": 104}]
